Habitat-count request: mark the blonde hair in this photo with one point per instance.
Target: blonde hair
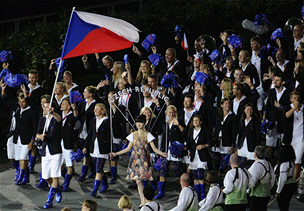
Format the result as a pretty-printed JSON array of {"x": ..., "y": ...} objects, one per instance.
[
  {"x": 142, "y": 110},
  {"x": 63, "y": 86},
  {"x": 227, "y": 88},
  {"x": 125, "y": 202},
  {"x": 102, "y": 107},
  {"x": 172, "y": 107},
  {"x": 68, "y": 73},
  {"x": 90, "y": 89},
  {"x": 66, "y": 209},
  {"x": 246, "y": 54},
  {"x": 140, "y": 77},
  {"x": 120, "y": 69}
]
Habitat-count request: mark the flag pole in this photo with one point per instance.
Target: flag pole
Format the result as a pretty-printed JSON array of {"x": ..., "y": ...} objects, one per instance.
[{"x": 58, "y": 71}]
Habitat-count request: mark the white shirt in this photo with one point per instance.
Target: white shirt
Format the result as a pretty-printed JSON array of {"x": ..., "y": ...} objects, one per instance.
[
  {"x": 297, "y": 133},
  {"x": 60, "y": 101},
  {"x": 96, "y": 152},
  {"x": 153, "y": 205},
  {"x": 148, "y": 104},
  {"x": 185, "y": 198},
  {"x": 188, "y": 116},
  {"x": 242, "y": 183},
  {"x": 214, "y": 196},
  {"x": 256, "y": 61},
  {"x": 64, "y": 117},
  {"x": 297, "y": 43},
  {"x": 236, "y": 104},
  {"x": 285, "y": 171},
  {"x": 282, "y": 67},
  {"x": 74, "y": 85},
  {"x": 257, "y": 171},
  {"x": 30, "y": 89},
  {"x": 279, "y": 94},
  {"x": 150, "y": 137}
]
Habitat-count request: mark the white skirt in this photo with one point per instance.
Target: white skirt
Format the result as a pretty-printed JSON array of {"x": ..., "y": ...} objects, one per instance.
[
  {"x": 21, "y": 151},
  {"x": 197, "y": 163},
  {"x": 66, "y": 155},
  {"x": 51, "y": 165},
  {"x": 10, "y": 148},
  {"x": 243, "y": 152}
]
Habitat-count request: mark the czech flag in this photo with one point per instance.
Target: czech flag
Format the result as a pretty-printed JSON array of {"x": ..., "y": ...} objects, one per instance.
[
  {"x": 90, "y": 33},
  {"x": 184, "y": 43}
]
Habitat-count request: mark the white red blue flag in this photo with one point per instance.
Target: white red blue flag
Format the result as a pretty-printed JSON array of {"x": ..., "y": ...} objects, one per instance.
[
  {"x": 184, "y": 42},
  {"x": 90, "y": 33}
]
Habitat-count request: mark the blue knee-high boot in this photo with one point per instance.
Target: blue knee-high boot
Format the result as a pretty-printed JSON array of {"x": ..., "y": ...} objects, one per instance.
[
  {"x": 95, "y": 188},
  {"x": 114, "y": 174},
  {"x": 66, "y": 184},
  {"x": 49, "y": 202},
  {"x": 20, "y": 176},
  {"x": 104, "y": 182},
  {"x": 161, "y": 190},
  {"x": 26, "y": 176},
  {"x": 93, "y": 170},
  {"x": 58, "y": 194},
  {"x": 16, "y": 166},
  {"x": 203, "y": 191},
  {"x": 153, "y": 183},
  {"x": 42, "y": 183},
  {"x": 84, "y": 171},
  {"x": 32, "y": 163},
  {"x": 198, "y": 190}
]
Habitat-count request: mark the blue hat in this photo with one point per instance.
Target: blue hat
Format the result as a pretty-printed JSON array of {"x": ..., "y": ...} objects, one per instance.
[
  {"x": 267, "y": 51},
  {"x": 260, "y": 19},
  {"x": 235, "y": 41},
  {"x": 278, "y": 33},
  {"x": 13, "y": 80},
  {"x": 201, "y": 78},
  {"x": 178, "y": 32},
  {"x": 155, "y": 59},
  {"x": 161, "y": 164},
  {"x": 176, "y": 149},
  {"x": 169, "y": 80},
  {"x": 150, "y": 40},
  {"x": 215, "y": 56},
  {"x": 5, "y": 56},
  {"x": 75, "y": 97}
]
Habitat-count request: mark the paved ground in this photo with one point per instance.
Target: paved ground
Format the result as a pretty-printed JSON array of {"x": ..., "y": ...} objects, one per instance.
[{"x": 29, "y": 197}]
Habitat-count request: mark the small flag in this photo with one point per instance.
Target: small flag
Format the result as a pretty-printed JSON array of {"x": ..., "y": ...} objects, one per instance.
[
  {"x": 75, "y": 97},
  {"x": 184, "y": 42}
]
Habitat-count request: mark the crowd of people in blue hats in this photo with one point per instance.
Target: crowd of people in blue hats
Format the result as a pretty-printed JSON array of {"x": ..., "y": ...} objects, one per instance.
[{"x": 227, "y": 120}]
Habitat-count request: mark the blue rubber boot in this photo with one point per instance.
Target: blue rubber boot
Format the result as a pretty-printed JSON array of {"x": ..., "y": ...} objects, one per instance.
[
  {"x": 84, "y": 171},
  {"x": 32, "y": 163},
  {"x": 17, "y": 174},
  {"x": 153, "y": 183},
  {"x": 42, "y": 183},
  {"x": 95, "y": 188},
  {"x": 49, "y": 202},
  {"x": 161, "y": 190},
  {"x": 114, "y": 174},
  {"x": 26, "y": 177},
  {"x": 203, "y": 191},
  {"x": 66, "y": 184},
  {"x": 104, "y": 182},
  {"x": 58, "y": 194},
  {"x": 63, "y": 171},
  {"x": 93, "y": 170},
  {"x": 16, "y": 166},
  {"x": 20, "y": 176},
  {"x": 198, "y": 190}
]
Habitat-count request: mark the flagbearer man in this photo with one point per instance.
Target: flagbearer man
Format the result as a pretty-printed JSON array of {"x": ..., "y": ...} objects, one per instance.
[{"x": 51, "y": 152}]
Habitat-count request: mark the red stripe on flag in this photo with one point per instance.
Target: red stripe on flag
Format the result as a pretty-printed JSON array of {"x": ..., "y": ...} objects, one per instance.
[{"x": 99, "y": 41}]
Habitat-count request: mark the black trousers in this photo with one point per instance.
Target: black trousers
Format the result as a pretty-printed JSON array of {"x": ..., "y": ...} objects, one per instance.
[
  {"x": 258, "y": 203},
  {"x": 285, "y": 197},
  {"x": 235, "y": 207}
]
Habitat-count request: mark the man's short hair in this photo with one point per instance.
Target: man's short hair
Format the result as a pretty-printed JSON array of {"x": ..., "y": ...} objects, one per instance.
[
  {"x": 107, "y": 57},
  {"x": 283, "y": 78},
  {"x": 257, "y": 39},
  {"x": 91, "y": 204},
  {"x": 149, "y": 192},
  {"x": 154, "y": 77},
  {"x": 172, "y": 50},
  {"x": 260, "y": 151},
  {"x": 275, "y": 70},
  {"x": 190, "y": 96},
  {"x": 47, "y": 97},
  {"x": 33, "y": 72},
  {"x": 294, "y": 93},
  {"x": 240, "y": 86}
]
